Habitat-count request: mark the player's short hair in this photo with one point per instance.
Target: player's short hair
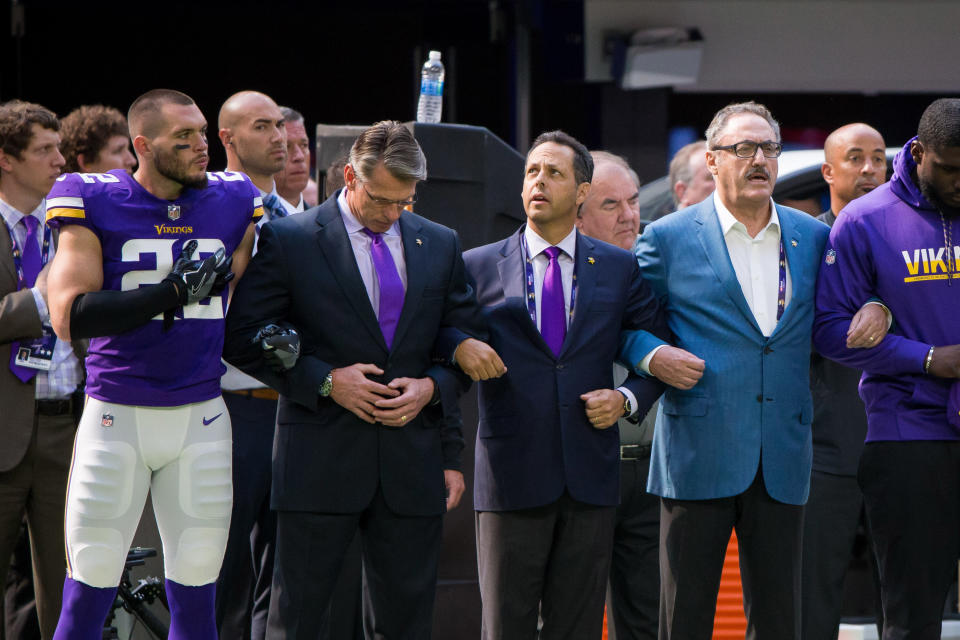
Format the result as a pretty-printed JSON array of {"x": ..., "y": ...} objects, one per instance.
[
  {"x": 582, "y": 162},
  {"x": 16, "y": 124},
  {"x": 291, "y": 115},
  {"x": 680, "y": 170},
  {"x": 86, "y": 130},
  {"x": 719, "y": 122},
  {"x": 143, "y": 113},
  {"x": 392, "y": 144},
  {"x": 605, "y": 156},
  {"x": 940, "y": 124}
]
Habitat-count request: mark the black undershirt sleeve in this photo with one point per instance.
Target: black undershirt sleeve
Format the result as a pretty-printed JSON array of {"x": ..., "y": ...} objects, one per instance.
[{"x": 108, "y": 313}]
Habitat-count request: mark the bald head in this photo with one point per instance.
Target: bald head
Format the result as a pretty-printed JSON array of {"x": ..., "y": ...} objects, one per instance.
[
  {"x": 237, "y": 106},
  {"x": 611, "y": 210},
  {"x": 254, "y": 136},
  {"x": 855, "y": 163}
]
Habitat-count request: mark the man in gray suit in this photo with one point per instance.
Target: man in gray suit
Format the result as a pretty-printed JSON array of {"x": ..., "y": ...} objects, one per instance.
[{"x": 40, "y": 374}]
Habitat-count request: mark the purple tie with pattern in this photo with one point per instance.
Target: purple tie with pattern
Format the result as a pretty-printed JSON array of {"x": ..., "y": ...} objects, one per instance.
[
  {"x": 391, "y": 287},
  {"x": 32, "y": 263},
  {"x": 553, "y": 322}
]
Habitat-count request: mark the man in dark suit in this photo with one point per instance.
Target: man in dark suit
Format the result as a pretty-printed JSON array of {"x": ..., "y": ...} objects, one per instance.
[
  {"x": 547, "y": 470},
  {"x": 368, "y": 433}
]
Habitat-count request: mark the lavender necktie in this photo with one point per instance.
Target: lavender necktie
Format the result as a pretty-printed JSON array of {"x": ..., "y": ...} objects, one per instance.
[
  {"x": 391, "y": 287},
  {"x": 31, "y": 263},
  {"x": 553, "y": 322}
]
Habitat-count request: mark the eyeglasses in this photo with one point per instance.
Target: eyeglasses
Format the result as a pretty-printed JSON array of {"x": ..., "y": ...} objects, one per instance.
[
  {"x": 384, "y": 202},
  {"x": 748, "y": 148}
]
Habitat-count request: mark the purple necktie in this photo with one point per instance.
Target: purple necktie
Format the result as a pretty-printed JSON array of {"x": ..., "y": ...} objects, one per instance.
[
  {"x": 391, "y": 287},
  {"x": 31, "y": 264},
  {"x": 553, "y": 322}
]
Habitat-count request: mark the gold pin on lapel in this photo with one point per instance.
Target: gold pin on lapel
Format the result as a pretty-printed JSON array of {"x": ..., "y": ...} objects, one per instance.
[
  {"x": 420, "y": 242},
  {"x": 793, "y": 243},
  {"x": 591, "y": 260}
]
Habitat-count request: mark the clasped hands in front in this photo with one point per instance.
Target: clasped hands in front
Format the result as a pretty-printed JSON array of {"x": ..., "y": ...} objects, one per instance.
[{"x": 394, "y": 404}]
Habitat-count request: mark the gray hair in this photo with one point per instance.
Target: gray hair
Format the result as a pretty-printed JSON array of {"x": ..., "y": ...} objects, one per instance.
[
  {"x": 720, "y": 120},
  {"x": 291, "y": 115},
  {"x": 680, "y": 170},
  {"x": 599, "y": 157},
  {"x": 392, "y": 144}
]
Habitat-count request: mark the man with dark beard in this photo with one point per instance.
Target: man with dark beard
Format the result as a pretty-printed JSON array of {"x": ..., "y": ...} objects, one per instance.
[
  {"x": 153, "y": 419},
  {"x": 898, "y": 243}
]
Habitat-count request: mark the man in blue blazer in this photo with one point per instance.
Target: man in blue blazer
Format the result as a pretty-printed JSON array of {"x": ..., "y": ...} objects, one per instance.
[
  {"x": 736, "y": 274},
  {"x": 546, "y": 482}
]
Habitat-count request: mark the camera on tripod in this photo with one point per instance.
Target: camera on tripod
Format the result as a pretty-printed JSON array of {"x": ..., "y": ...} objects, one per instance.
[{"x": 136, "y": 599}]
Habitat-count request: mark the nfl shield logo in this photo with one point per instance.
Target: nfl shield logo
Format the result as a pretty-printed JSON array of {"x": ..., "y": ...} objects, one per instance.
[
  {"x": 173, "y": 211},
  {"x": 831, "y": 256},
  {"x": 107, "y": 420}
]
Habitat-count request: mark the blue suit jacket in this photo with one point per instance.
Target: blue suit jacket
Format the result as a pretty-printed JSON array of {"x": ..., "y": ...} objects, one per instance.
[
  {"x": 753, "y": 403},
  {"x": 534, "y": 439}
]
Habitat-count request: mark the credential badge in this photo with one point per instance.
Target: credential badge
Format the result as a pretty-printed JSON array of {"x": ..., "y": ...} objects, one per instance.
[
  {"x": 173, "y": 211},
  {"x": 831, "y": 256}
]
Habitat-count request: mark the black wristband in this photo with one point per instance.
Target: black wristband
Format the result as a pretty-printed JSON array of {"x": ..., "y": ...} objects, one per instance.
[{"x": 108, "y": 313}]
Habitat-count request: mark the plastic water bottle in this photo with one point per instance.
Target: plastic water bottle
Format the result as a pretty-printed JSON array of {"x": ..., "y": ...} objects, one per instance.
[{"x": 431, "y": 89}]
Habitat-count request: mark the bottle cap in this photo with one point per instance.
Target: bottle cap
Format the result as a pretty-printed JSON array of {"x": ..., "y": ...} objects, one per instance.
[{"x": 434, "y": 55}]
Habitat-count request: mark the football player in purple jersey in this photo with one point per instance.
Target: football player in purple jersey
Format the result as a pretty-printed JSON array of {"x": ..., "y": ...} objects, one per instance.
[{"x": 142, "y": 270}]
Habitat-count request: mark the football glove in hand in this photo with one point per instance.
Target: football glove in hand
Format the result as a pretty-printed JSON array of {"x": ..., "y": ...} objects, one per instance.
[
  {"x": 281, "y": 346},
  {"x": 195, "y": 278},
  {"x": 224, "y": 276}
]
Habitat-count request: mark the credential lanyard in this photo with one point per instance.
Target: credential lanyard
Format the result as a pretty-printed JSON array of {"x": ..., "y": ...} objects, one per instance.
[
  {"x": 532, "y": 290},
  {"x": 782, "y": 291},
  {"x": 18, "y": 255}
]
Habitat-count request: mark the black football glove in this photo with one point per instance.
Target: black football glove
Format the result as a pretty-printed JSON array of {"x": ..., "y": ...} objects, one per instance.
[
  {"x": 224, "y": 276},
  {"x": 194, "y": 278},
  {"x": 281, "y": 347}
]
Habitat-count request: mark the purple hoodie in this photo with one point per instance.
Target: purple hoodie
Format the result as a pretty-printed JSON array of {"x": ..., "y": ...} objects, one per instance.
[{"x": 889, "y": 244}]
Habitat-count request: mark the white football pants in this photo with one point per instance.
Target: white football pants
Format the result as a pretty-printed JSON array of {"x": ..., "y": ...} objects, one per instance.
[{"x": 182, "y": 455}]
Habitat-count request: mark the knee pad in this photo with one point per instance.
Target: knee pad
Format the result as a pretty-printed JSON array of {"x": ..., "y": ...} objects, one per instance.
[
  {"x": 101, "y": 480},
  {"x": 206, "y": 483},
  {"x": 198, "y": 556},
  {"x": 96, "y": 555}
]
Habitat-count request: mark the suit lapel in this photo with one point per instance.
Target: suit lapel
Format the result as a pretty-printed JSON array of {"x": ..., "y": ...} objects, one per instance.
[
  {"x": 794, "y": 250},
  {"x": 416, "y": 252},
  {"x": 6, "y": 255},
  {"x": 711, "y": 240},
  {"x": 338, "y": 251},
  {"x": 586, "y": 274},
  {"x": 513, "y": 275}
]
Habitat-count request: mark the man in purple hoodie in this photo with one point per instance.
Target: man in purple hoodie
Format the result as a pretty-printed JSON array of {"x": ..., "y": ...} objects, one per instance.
[{"x": 897, "y": 244}]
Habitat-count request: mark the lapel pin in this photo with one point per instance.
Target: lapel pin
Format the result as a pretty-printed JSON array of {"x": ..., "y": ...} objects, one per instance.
[
  {"x": 793, "y": 243},
  {"x": 591, "y": 260},
  {"x": 420, "y": 242}
]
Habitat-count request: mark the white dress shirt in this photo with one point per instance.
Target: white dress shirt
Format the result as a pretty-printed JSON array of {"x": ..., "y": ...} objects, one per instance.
[
  {"x": 568, "y": 249},
  {"x": 291, "y": 208},
  {"x": 65, "y": 372},
  {"x": 361, "y": 242},
  {"x": 756, "y": 262}
]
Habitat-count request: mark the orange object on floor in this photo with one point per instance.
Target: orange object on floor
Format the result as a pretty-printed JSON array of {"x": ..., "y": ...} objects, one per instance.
[
  {"x": 605, "y": 634},
  {"x": 730, "y": 621}
]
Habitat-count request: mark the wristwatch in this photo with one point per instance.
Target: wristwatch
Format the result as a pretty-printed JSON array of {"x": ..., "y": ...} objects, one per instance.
[
  {"x": 326, "y": 388},
  {"x": 627, "y": 407}
]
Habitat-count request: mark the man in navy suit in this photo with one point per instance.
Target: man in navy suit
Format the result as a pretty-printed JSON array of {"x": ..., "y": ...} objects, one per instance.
[
  {"x": 547, "y": 475},
  {"x": 368, "y": 432}
]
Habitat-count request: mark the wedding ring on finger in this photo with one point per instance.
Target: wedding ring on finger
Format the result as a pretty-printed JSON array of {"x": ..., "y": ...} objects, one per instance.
[{"x": 403, "y": 418}]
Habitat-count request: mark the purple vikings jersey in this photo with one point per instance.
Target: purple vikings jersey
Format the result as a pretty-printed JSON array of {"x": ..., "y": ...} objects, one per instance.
[{"x": 141, "y": 236}]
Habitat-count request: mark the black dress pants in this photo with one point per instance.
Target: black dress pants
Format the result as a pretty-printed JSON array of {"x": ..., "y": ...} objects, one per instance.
[{"x": 695, "y": 534}]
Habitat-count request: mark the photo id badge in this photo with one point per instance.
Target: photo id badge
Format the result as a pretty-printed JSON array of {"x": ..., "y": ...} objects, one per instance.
[{"x": 38, "y": 354}]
